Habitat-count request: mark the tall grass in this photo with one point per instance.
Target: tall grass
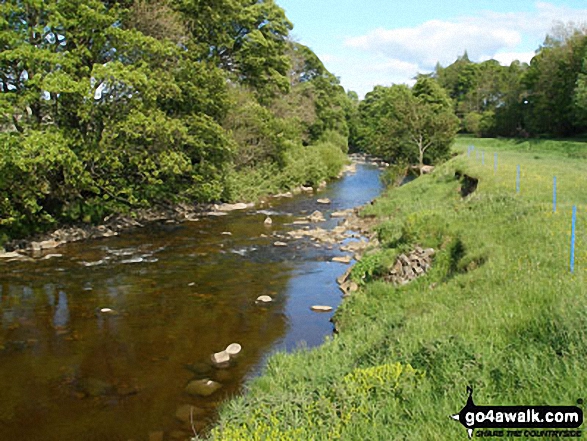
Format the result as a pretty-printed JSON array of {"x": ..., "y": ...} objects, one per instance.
[{"x": 499, "y": 310}]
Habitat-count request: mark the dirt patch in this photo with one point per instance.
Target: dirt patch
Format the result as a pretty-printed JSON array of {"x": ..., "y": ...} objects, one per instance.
[{"x": 468, "y": 183}]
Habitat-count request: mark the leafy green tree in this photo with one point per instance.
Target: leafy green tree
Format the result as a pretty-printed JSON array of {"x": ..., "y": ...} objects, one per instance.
[
  {"x": 551, "y": 82},
  {"x": 400, "y": 124}
]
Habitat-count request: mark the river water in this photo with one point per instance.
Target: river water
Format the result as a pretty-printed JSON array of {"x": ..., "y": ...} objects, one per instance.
[{"x": 178, "y": 294}]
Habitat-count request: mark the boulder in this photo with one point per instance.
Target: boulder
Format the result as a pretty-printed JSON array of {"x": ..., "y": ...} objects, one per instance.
[
  {"x": 233, "y": 350},
  {"x": 185, "y": 411},
  {"x": 316, "y": 216},
  {"x": 220, "y": 359},
  {"x": 324, "y": 201},
  {"x": 342, "y": 259},
  {"x": 264, "y": 299},
  {"x": 321, "y": 308},
  {"x": 232, "y": 207},
  {"x": 202, "y": 388},
  {"x": 268, "y": 221},
  {"x": 279, "y": 244}
]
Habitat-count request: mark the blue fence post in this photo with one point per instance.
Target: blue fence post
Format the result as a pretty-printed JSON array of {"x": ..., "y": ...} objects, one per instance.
[
  {"x": 573, "y": 238},
  {"x": 495, "y": 162},
  {"x": 554, "y": 195},
  {"x": 518, "y": 179}
]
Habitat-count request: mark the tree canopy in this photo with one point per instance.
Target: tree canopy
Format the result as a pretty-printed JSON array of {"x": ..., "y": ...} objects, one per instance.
[{"x": 108, "y": 106}]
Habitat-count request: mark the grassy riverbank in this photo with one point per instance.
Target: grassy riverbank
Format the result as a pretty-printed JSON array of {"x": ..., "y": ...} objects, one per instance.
[{"x": 499, "y": 310}]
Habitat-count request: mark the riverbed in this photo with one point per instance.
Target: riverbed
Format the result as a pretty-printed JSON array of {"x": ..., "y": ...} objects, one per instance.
[{"x": 99, "y": 341}]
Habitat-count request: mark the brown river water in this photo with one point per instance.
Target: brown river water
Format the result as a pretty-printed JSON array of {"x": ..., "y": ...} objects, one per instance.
[{"x": 179, "y": 293}]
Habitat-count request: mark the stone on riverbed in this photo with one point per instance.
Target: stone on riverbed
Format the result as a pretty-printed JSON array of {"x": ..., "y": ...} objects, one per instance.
[
  {"x": 268, "y": 221},
  {"x": 324, "y": 201},
  {"x": 321, "y": 308},
  {"x": 220, "y": 359},
  {"x": 316, "y": 216},
  {"x": 233, "y": 350},
  {"x": 279, "y": 244},
  {"x": 232, "y": 207},
  {"x": 264, "y": 299},
  {"x": 185, "y": 411},
  {"x": 203, "y": 388},
  {"x": 342, "y": 259}
]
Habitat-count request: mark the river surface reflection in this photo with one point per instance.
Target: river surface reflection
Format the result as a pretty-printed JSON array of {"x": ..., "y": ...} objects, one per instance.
[{"x": 177, "y": 294}]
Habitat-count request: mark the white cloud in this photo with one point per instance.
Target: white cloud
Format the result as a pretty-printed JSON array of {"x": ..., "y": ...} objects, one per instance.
[
  {"x": 385, "y": 56},
  {"x": 435, "y": 41}
]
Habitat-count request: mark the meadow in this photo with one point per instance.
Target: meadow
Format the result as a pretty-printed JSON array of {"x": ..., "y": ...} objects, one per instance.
[{"x": 499, "y": 310}]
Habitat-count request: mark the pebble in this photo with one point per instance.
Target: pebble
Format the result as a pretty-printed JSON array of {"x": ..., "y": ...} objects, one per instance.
[
  {"x": 321, "y": 308},
  {"x": 233, "y": 349}
]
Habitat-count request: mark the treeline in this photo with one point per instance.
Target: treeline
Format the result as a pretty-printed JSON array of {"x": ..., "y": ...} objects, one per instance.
[
  {"x": 548, "y": 97},
  {"x": 109, "y": 106}
]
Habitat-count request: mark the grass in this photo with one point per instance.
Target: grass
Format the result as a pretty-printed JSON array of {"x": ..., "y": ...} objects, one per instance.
[{"x": 499, "y": 310}]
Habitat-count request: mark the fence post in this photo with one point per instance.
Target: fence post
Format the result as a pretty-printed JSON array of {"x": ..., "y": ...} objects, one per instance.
[
  {"x": 573, "y": 238},
  {"x": 554, "y": 195}
]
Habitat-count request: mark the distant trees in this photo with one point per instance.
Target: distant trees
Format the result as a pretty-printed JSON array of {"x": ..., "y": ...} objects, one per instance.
[
  {"x": 546, "y": 97},
  {"x": 407, "y": 125}
]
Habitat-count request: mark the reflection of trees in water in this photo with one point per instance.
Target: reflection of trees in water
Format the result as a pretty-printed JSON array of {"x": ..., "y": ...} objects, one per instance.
[{"x": 136, "y": 360}]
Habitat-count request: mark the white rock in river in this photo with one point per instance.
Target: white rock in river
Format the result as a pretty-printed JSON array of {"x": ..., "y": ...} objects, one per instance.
[
  {"x": 264, "y": 299},
  {"x": 321, "y": 308},
  {"x": 233, "y": 349},
  {"x": 279, "y": 244},
  {"x": 342, "y": 259},
  {"x": 268, "y": 221},
  {"x": 323, "y": 201},
  {"x": 220, "y": 359}
]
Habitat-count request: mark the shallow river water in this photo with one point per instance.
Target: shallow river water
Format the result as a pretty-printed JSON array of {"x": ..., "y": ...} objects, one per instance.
[{"x": 179, "y": 293}]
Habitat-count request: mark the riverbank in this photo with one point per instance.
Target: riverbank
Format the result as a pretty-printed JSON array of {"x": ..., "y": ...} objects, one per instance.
[
  {"x": 497, "y": 309},
  {"x": 41, "y": 245}
]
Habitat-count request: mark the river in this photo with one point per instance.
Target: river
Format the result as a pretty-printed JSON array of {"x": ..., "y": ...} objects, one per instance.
[{"x": 177, "y": 294}]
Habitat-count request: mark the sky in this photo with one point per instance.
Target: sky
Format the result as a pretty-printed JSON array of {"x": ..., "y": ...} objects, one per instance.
[{"x": 375, "y": 42}]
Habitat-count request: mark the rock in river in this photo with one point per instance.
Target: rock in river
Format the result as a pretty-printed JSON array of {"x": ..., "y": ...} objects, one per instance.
[
  {"x": 233, "y": 349},
  {"x": 185, "y": 411},
  {"x": 321, "y": 308},
  {"x": 203, "y": 388},
  {"x": 324, "y": 201},
  {"x": 342, "y": 259},
  {"x": 264, "y": 299},
  {"x": 316, "y": 216},
  {"x": 221, "y": 359}
]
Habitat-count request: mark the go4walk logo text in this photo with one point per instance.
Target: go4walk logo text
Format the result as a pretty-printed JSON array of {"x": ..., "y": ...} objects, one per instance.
[{"x": 520, "y": 417}]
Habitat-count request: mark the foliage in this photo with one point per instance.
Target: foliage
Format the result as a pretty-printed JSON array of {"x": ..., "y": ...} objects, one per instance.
[
  {"x": 402, "y": 124},
  {"x": 546, "y": 97},
  {"x": 108, "y": 106},
  {"x": 498, "y": 311}
]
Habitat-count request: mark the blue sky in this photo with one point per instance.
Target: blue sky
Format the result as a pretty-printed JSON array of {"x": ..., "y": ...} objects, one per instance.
[{"x": 372, "y": 42}]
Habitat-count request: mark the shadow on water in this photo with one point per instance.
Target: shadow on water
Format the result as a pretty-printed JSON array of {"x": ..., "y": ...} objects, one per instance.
[{"x": 175, "y": 294}]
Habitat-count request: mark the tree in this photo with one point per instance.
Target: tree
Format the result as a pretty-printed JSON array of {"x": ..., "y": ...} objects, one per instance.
[{"x": 400, "y": 124}]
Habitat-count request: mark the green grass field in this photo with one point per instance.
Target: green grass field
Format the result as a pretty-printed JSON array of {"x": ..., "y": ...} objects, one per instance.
[{"x": 499, "y": 310}]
